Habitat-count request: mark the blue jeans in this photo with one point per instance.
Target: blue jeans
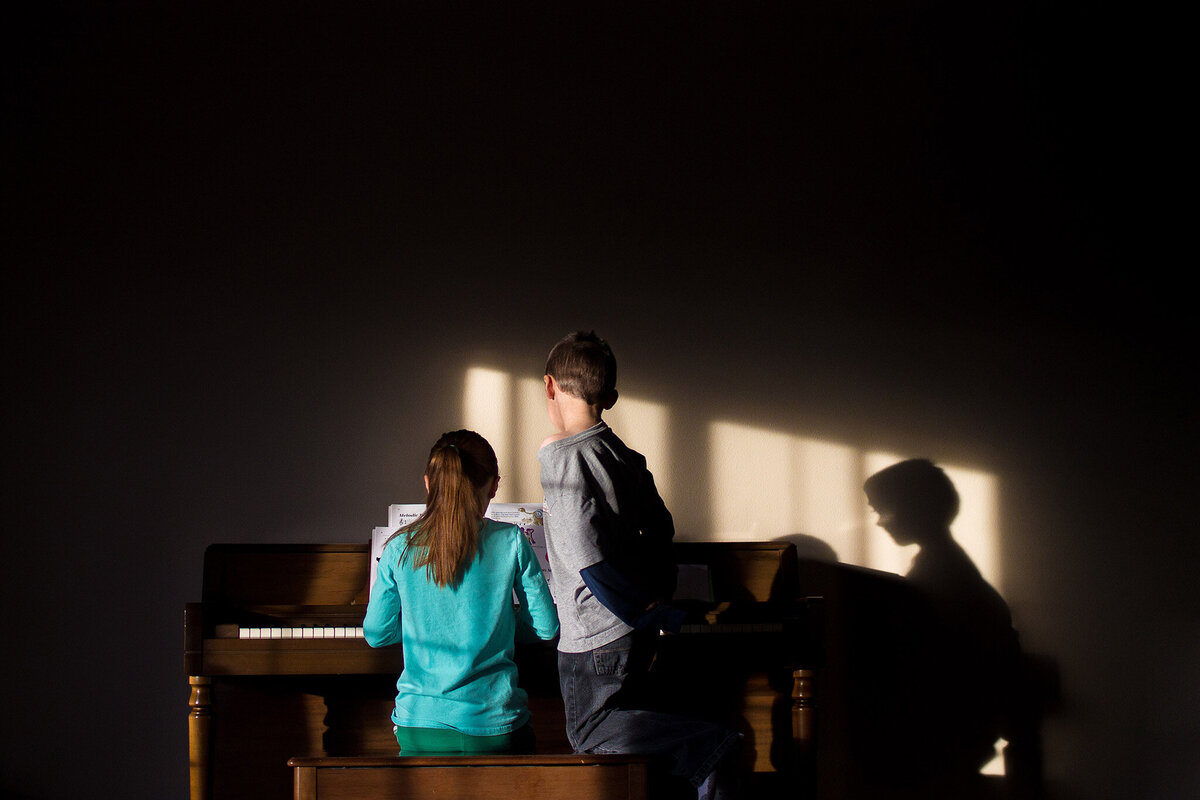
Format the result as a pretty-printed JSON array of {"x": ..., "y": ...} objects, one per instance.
[{"x": 604, "y": 697}]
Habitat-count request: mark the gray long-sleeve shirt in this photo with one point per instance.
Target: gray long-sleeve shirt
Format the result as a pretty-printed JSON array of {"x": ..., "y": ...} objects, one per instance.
[{"x": 601, "y": 504}]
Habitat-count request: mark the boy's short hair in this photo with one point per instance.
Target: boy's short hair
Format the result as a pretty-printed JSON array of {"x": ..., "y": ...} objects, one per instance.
[{"x": 583, "y": 366}]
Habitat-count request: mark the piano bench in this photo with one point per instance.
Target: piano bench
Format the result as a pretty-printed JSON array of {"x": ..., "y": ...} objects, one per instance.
[{"x": 556, "y": 776}]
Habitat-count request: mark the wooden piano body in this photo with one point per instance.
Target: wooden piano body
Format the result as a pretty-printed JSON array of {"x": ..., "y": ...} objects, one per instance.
[{"x": 257, "y": 702}]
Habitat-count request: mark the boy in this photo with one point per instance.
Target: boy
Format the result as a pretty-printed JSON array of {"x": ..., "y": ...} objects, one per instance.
[{"x": 608, "y": 536}]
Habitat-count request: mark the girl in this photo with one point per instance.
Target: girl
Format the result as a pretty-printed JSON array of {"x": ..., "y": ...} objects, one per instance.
[{"x": 445, "y": 588}]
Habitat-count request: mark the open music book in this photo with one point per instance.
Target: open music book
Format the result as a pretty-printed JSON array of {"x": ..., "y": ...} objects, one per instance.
[{"x": 526, "y": 516}]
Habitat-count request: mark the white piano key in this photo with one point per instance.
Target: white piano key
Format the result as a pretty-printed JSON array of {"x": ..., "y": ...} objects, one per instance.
[{"x": 303, "y": 632}]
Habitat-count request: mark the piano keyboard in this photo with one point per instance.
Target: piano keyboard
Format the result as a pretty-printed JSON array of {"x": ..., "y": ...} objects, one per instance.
[
  {"x": 311, "y": 632},
  {"x": 300, "y": 633}
]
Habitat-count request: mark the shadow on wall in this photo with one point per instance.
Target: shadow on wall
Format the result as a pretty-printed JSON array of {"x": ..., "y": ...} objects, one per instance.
[
  {"x": 734, "y": 480},
  {"x": 923, "y": 676}
]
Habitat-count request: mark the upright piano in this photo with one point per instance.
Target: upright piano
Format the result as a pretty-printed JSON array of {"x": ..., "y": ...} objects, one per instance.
[{"x": 277, "y": 665}]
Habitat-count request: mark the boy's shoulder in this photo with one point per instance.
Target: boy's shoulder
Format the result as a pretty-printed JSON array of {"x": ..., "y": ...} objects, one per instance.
[
  {"x": 552, "y": 438},
  {"x": 567, "y": 440},
  {"x": 596, "y": 449}
]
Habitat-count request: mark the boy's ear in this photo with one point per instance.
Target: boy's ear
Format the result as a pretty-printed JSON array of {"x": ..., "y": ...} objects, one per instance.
[
  {"x": 551, "y": 387},
  {"x": 609, "y": 400}
]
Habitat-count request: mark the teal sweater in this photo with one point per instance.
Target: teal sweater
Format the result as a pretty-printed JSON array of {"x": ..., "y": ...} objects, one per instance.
[{"x": 458, "y": 642}]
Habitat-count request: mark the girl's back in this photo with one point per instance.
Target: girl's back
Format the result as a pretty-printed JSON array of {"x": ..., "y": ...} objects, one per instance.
[
  {"x": 458, "y": 641},
  {"x": 445, "y": 588}
]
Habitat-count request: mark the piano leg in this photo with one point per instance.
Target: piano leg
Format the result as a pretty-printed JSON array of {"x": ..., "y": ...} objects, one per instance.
[
  {"x": 199, "y": 718},
  {"x": 804, "y": 708},
  {"x": 804, "y": 730}
]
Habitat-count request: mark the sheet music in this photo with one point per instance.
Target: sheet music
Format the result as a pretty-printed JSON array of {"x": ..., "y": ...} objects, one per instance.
[
  {"x": 526, "y": 516},
  {"x": 399, "y": 515}
]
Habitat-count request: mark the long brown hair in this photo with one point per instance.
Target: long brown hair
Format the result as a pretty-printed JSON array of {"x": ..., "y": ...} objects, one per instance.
[{"x": 446, "y": 536}]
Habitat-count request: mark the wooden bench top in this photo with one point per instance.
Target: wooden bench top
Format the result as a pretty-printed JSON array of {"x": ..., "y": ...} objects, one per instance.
[
  {"x": 545, "y": 776},
  {"x": 468, "y": 760}
]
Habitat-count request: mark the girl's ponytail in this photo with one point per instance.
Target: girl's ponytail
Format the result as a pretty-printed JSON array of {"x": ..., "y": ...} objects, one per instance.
[{"x": 461, "y": 467}]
